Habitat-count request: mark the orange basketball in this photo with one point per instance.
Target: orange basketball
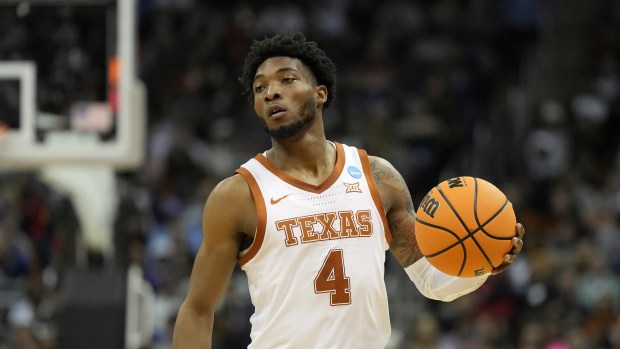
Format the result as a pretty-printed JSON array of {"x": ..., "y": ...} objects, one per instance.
[{"x": 464, "y": 226}]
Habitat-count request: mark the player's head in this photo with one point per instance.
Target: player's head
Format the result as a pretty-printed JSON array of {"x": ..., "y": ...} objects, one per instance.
[{"x": 292, "y": 45}]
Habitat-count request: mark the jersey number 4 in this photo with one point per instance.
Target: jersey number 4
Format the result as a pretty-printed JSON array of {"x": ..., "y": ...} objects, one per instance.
[{"x": 332, "y": 279}]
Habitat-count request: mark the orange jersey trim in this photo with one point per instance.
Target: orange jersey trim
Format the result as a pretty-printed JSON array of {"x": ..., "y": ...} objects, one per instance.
[
  {"x": 317, "y": 189},
  {"x": 261, "y": 216},
  {"x": 374, "y": 193}
]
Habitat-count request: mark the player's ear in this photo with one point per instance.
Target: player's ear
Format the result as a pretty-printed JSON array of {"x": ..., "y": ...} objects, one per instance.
[{"x": 321, "y": 94}]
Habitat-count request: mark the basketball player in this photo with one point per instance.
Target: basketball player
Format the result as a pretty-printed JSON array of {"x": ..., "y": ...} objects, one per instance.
[{"x": 309, "y": 221}]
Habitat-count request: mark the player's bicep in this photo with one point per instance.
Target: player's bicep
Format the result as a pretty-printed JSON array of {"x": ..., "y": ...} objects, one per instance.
[
  {"x": 217, "y": 255},
  {"x": 210, "y": 276},
  {"x": 400, "y": 211}
]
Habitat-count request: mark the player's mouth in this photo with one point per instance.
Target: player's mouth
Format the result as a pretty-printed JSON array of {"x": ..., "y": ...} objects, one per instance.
[{"x": 275, "y": 110}]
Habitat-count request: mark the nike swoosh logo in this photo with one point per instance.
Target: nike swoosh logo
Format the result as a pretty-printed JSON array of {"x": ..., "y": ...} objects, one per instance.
[{"x": 273, "y": 202}]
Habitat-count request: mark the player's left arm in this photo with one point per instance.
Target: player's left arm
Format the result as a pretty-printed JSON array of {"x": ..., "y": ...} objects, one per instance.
[
  {"x": 399, "y": 210},
  {"x": 400, "y": 214}
]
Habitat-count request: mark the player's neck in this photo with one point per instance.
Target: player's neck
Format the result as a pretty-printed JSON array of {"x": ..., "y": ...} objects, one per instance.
[{"x": 308, "y": 159}]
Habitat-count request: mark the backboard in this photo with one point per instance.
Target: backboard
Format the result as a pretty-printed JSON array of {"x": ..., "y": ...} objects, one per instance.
[{"x": 101, "y": 118}]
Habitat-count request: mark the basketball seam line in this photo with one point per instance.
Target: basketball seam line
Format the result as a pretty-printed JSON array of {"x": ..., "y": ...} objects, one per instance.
[
  {"x": 484, "y": 253},
  {"x": 481, "y": 226},
  {"x": 469, "y": 234},
  {"x": 487, "y": 222},
  {"x": 458, "y": 239}
]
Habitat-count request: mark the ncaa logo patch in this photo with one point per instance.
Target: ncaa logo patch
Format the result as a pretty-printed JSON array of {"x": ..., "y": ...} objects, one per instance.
[{"x": 354, "y": 172}]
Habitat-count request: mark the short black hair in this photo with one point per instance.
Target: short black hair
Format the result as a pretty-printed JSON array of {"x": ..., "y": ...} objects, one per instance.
[{"x": 294, "y": 45}]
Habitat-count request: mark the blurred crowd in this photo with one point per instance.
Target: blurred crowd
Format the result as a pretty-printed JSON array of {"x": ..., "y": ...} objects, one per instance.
[{"x": 523, "y": 93}]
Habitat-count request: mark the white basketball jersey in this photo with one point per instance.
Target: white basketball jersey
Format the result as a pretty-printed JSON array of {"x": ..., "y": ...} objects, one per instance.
[{"x": 316, "y": 266}]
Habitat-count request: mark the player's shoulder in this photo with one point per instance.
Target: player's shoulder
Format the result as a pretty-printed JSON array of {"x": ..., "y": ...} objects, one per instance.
[
  {"x": 233, "y": 188},
  {"x": 380, "y": 166},
  {"x": 229, "y": 209},
  {"x": 387, "y": 178}
]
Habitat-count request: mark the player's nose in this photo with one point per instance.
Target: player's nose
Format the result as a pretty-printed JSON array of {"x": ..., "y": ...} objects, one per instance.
[{"x": 273, "y": 92}]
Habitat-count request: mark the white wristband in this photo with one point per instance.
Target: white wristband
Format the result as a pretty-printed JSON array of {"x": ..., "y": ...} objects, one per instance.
[{"x": 435, "y": 284}]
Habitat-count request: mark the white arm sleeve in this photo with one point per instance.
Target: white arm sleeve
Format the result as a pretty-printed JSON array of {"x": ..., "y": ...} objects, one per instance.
[{"x": 435, "y": 284}]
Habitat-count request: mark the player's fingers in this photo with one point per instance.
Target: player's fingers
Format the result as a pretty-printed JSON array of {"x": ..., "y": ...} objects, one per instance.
[
  {"x": 520, "y": 230},
  {"x": 517, "y": 241},
  {"x": 500, "y": 268},
  {"x": 517, "y": 244},
  {"x": 508, "y": 260}
]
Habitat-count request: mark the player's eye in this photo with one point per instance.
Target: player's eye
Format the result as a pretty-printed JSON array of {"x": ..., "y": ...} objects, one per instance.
[
  {"x": 259, "y": 88},
  {"x": 288, "y": 80}
]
